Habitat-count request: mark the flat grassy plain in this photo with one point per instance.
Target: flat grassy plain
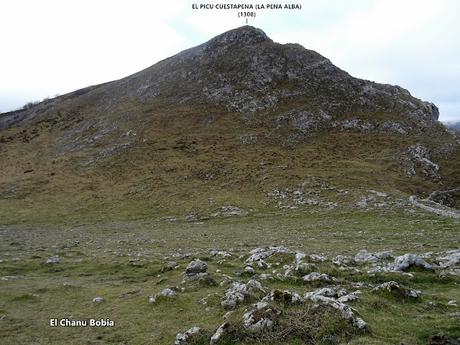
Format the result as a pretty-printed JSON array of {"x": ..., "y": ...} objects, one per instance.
[{"x": 122, "y": 260}]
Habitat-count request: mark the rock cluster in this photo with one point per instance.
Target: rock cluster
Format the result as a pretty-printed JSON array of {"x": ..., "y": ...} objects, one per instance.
[
  {"x": 419, "y": 157},
  {"x": 363, "y": 256},
  {"x": 315, "y": 276},
  {"x": 400, "y": 264},
  {"x": 396, "y": 289},
  {"x": 261, "y": 317},
  {"x": 265, "y": 309},
  {"x": 239, "y": 292},
  {"x": 186, "y": 337},
  {"x": 260, "y": 254},
  {"x": 335, "y": 298}
]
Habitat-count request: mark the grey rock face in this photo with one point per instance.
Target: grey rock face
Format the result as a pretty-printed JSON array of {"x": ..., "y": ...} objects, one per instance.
[
  {"x": 245, "y": 71},
  {"x": 418, "y": 156},
  {"x": 244, "y": 35},
  {"x": 445, "y": 197},
  {"x": 196, "y": 266},
  {"x": 359, "y": 125},
  {"x": 405, "y": 261},
  {"x": 432, "y": 111}
]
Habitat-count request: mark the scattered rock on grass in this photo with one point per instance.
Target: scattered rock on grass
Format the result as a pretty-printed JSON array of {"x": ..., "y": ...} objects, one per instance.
[
  {"x": 13, "y": 277},
  {"x": 259, "y": 254},
  {"x": 224, "y": 329},
  {"x": 284, "y": 296},
  {"x": 406, "y": 261},
  {"x": 315, "y": 276},
  {"x": 317, "y": 258},
  {"x": 169, "y": 266},
  {"x": 261, "y": 318},
  {"x": 396, "y": 289},
  {"x": 327, "y": 296},
  {"x": 197, "y": 270},
  {"x": 452, "y": 303},
  {"x": 249, "y": 270},
  {"x": 342, "y": 260},
  {"x": 188, "y": 336},
  {"x": 196, "y": 266},
  {"x": 98, "y": 299},
  {"x": 230, "y": 211},
  {"x": 239, "y": 292},
  {"x": 220, "y": 253},
  {"x": 325, "y": 292},
  {"x": 53, "y": 260},
  {"x": 166, "y": 293},
  {"x": 363, "y": 256},
  {"x": 304, "y": 268},
  {"x": 449, "y": 259}
]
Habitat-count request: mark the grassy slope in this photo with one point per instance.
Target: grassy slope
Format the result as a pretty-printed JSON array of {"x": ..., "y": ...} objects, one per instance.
[{"x": 191, "y": 161}]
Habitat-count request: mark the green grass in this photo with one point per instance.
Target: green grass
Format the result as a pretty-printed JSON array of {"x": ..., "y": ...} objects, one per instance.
[{"x": 121, "y": 260}]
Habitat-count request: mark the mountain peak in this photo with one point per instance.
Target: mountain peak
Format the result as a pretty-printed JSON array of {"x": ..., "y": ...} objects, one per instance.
[
  {"x": 236, "y": 114},
  {"x": 243, "y": 35}
]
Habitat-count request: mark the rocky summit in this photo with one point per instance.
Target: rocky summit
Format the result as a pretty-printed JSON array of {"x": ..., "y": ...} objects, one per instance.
[{"x": 239, "y": 122}]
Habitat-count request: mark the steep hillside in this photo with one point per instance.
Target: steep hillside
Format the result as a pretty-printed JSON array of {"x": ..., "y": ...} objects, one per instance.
[{"x": 239, "y": 120}]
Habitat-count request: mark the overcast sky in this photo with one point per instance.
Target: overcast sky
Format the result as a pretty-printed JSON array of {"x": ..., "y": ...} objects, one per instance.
[{"x": 51, "y": 47}]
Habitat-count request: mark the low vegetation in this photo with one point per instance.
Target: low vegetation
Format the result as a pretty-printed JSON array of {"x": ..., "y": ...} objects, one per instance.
[{"x": 124, "y": 262}]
